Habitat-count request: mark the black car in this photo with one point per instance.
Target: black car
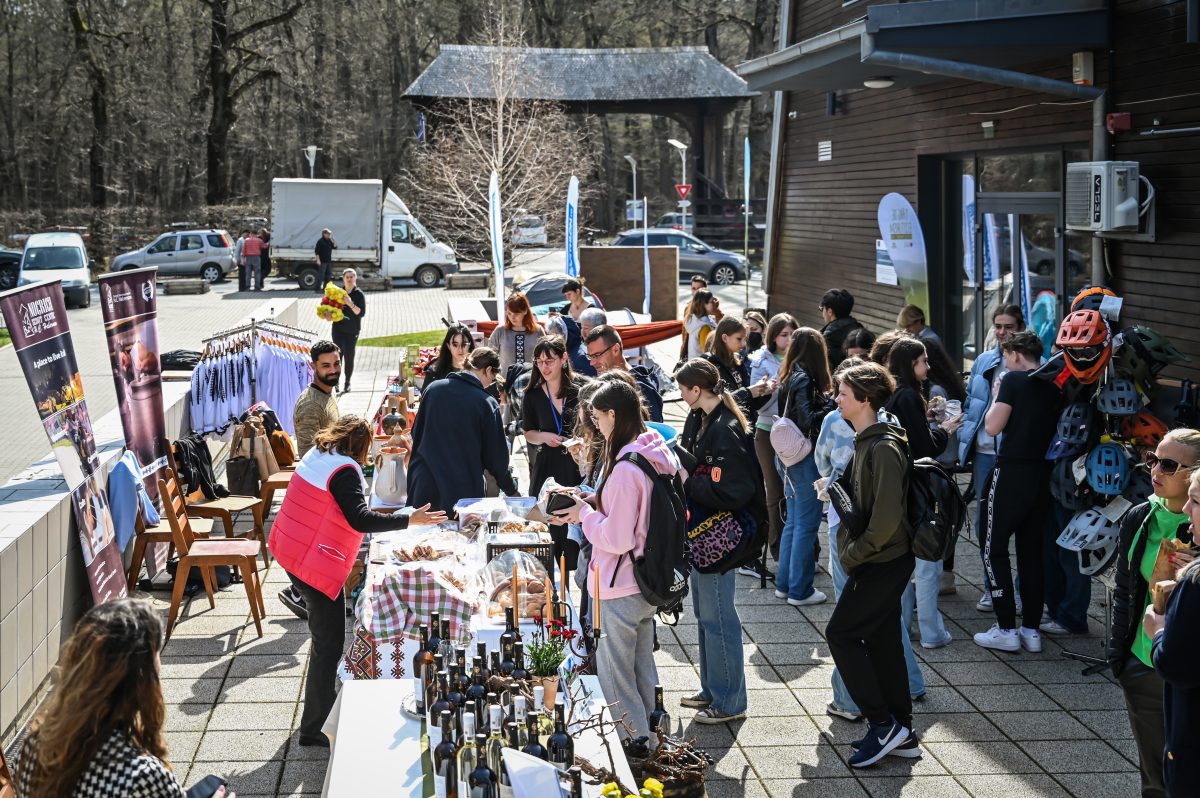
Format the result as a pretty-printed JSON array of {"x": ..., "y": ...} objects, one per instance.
[{"x": 10, "y": 266}]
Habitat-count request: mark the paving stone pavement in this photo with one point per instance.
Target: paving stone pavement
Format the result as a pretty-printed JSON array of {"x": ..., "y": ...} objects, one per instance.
[{"x": 992, "y": 725}]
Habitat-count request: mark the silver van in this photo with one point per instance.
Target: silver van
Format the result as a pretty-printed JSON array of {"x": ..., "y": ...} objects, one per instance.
[{"x": 59, "y": 256}]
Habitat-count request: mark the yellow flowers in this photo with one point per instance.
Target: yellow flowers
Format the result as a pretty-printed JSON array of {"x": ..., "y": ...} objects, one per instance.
[
  {"x": 330, "y": 307},
  {"x": 651, "y": 788}
]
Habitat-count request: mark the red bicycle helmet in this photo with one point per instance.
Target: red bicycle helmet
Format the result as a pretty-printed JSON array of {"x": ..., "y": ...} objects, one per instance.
[
  {"x": 1143, "y": 429},
  {"x": 1086, "y": 342}
]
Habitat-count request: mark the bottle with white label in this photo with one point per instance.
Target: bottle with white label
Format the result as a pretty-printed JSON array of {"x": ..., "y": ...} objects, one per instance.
[
  {"x": 467, "y": 754},
  {"x": 445, "y": 761}
]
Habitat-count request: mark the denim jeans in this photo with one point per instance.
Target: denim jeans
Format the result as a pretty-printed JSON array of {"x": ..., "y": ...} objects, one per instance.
[
  {"x": 1068, "y": 592},
  {"x": 921, "y": 597},
  {"x": 797, "y": 544},
  {"x": 841, "y": 696},
  {"x": 722, "y": 667}
]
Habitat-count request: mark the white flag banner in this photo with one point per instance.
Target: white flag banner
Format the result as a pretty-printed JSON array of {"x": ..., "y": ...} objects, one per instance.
[
  {"x": 497, "y": 235},
  {"x": 573, "y": 226},
  {"x": 646, "y": 260}
]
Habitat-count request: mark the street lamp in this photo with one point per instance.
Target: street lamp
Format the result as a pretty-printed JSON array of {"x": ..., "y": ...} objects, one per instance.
[
  {"x": 633, "y": 164},
  {"x": 310, "y": 152},
  {"x": 679, "y": 145}
]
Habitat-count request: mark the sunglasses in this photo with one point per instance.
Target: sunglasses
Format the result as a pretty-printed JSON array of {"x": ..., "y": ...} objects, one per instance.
[{"x": 1165, "y": 464}]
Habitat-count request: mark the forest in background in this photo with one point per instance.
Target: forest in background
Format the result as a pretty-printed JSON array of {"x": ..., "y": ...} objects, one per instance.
[{"x": 144, "y": 112}]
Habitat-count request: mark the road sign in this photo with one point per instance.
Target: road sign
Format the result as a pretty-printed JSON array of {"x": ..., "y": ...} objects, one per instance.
[
  {"x": 684, "y": 203},
  {"x": 683, "y": 190}
]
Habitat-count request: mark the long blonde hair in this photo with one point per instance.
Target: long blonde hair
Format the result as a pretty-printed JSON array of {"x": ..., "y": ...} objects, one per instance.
[
  {"x": 699, "y": 373},
  {"x": 108, "y": 681}
]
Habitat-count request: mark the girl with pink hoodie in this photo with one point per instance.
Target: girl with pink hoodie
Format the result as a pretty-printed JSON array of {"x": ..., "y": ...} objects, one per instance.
[{"x": 615, "y": 520}]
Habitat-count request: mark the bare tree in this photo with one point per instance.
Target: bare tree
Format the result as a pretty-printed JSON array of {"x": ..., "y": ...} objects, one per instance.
[{"x": 531, "y": 145}]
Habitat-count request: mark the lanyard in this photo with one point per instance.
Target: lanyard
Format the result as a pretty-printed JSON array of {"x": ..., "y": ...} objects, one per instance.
[{"x": 557, "y": 418}]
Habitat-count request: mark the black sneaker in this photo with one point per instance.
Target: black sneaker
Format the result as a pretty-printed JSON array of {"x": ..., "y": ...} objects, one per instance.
[
  {"x": 909, "y": 749},
  {"x": 294, "y": 602},
  {"x": 880, "y": 741},
  {"x": 316, "y": 740}
]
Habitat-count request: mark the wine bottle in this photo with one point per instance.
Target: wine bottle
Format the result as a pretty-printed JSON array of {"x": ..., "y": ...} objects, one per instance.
[
  {"x": 429, "y": 675},
  {"x": 495, "y": 738},
  {"x": 481, "y": 654},
  {"x": 467, "y": 753},
  {"x": 519, "y": 673},
  {"x": 660, "y": 719},
  {"x": 435, "y": 628},
  {"x": 533, "y": 743},
  {"x": 505, "y": 783},
  {"x": 477, "y": 689},
  {"x": 445, "y": 776},
  {"x": 453, "y": 693},
  {"x": 576, "y": 782},
  {"x": 464, "y": 672},
  {"x": 560, "y": 745},
  {"x": 447, "y": 645},
  {"x": 519, "y": 715},
  {"x": 440, "y": 704},
  {"x": 494, "y": 667},
  {"x": 482, "y": 781},
  {"x": 509, "y": 636},
  {"x": 420, "y": 660},
  {"x": 506, "y": 659}
]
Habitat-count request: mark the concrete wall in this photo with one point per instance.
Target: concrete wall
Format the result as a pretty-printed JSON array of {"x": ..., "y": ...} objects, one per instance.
[
  {"x": 617, "y": 274},
  {"x": 43, "y": 586}
]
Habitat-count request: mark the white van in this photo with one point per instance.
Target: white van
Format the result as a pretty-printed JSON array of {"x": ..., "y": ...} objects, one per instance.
[{"x": 59, "y": 256}]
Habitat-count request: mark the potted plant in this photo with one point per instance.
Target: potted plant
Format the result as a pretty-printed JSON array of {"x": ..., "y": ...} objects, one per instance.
[{"x": 545, "y": 652}]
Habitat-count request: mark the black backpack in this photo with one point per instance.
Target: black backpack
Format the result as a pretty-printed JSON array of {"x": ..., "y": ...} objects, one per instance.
[
  {"x": 663, "y": 569},
  {"x": 936, "y": 509}
]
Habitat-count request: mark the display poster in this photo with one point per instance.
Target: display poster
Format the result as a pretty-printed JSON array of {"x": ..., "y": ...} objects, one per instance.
[
  {"x": 36, "y": 318},
  {"x": 496, "y": 233},
  {"x": 129, "y": 301},
  {"x": 573, "y": 227},
  {"x": 968, "y": 228},
  {"x": 901, "y": 232}
]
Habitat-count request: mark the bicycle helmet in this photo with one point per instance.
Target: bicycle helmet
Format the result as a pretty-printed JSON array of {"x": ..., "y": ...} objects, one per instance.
[
  {"x": 1084, "y": 527},
  {"x": 1075, "y": 424},
  {"x": 1069, "y": 493},
  {"x": 1100, "y": 554},
  {"x": 1129, "y": 363},
  {"x": 1143, "y": 429},
  {"x": 1090, "y": 298},
  {"x": 1086, "y": 342},
  {"x": 1060, "y": 449},
  {"x": 1140, "y": 488},
  {"x": 1118, "y": 397},
  {"x": 1108, "y": 469},
  {"x": 1154, "y": 347}
]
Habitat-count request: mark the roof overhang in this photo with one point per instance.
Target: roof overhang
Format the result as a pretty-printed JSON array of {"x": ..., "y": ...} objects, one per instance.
[{"x": 994, "y": 33}]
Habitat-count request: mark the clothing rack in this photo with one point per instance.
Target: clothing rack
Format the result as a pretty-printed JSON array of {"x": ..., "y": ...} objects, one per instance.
[{"x": 254, "y": 328}]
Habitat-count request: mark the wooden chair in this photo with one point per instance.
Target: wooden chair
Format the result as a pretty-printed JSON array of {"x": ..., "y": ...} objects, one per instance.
[
  {"x": 160, "y": 533},
  {"x": 224, "y": 508},
  {"x": 277, "y": 481},
  {"x": 239, "y": 553}
]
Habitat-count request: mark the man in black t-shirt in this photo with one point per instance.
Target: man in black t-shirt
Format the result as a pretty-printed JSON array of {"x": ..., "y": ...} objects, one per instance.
[
  {"x": 323, "y": 253},
  {"x": 1017, "y": 497}
]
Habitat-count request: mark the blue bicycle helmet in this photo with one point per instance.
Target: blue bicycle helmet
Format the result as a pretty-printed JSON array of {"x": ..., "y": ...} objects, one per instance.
[
  {"x": 1062, "y": 450},
  {"x": 1108, "y": 469},
  {"x": 1075, "y": 423},
  {"x": 1119, "y": 397}
]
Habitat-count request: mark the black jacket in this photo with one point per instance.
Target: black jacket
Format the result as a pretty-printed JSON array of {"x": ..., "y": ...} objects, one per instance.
[
  {"x": 737, "y": 378},
  {"x": 1175, "y": 654},
  {"x": 909, "y": 408},
  {"x": 195, "y": 465},
  {"x": 458, "y": 434},
  {"x": 799, "y": 401},
  {"x": 835, "y": 333},
  {"x": 649, "y": 388},
  {"x": 1130, "y": 589}
]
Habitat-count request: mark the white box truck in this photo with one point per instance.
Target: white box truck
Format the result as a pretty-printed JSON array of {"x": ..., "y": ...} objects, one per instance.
[{"x": 374, "y": 230}]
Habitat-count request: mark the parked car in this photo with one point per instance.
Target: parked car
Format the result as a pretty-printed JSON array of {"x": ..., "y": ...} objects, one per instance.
[
  {"x": 544, "y": 292},
  {"x": 695, "y": 257},
  {"x": 59, "y": 256},
  {"x": 529, "y": 231},
  {"x": 10, "y": 267},
  {"x": 203, "y": 253},
  {"x": 675, "y": 222}
]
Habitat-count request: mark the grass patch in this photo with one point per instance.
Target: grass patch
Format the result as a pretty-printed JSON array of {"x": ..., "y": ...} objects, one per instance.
[
  {"x": 427, "y": 338},
  {"x": 5, "y": 339}
]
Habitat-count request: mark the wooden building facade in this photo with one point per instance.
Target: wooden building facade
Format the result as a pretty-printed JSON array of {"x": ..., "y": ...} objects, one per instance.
[{"x": 983, "y": 164}]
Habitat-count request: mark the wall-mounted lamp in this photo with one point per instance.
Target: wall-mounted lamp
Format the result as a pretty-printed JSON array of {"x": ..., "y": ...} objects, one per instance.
[{"x": 881, "y": 82}]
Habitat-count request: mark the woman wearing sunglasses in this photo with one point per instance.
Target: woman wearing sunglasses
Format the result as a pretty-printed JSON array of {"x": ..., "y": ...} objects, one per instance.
[{"x": 1129, "y": 648}]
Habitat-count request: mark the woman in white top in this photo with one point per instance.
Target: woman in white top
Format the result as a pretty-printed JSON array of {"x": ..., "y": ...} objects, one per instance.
[{"x": 700, "y": 314}]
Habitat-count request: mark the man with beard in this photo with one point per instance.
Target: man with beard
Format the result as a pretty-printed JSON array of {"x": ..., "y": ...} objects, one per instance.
[{"x": 316, "y": 408}]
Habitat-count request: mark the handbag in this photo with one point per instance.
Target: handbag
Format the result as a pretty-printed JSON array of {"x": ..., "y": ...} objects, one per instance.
[
  {"x": 790, "y": 443},
  {"x": 244, "y": 437},
  {"x": 717, "y": 538},
  {"x": 841, "y": 497},
  {"x": 242, "y": 472},
  {"x": 283, "y": 448}
]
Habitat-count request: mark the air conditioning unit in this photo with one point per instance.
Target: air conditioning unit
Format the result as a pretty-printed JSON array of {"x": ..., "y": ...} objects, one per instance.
[{"x": 1102, "y": 196}]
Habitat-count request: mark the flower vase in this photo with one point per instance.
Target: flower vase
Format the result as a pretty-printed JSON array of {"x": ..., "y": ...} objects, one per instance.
[{"x": 550, "y": 687}]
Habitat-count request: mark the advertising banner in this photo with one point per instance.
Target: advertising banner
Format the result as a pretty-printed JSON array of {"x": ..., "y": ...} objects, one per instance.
[
  {"x": 36, "y": 318},
  {"x": 901, "y": 232},
  {"x": 496, "y": 232},
  {"x": 573, "y": 227},
  {"x": 129, "y": 301}
]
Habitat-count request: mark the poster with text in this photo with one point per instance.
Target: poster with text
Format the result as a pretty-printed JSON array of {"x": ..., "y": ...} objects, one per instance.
[
  {"x": 901, "y": 233},
  {"x": 36, "y": 318}
]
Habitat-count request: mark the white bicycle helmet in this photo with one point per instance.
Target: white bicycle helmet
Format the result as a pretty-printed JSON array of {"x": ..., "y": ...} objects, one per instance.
[{"x": 1083, "y": 528}]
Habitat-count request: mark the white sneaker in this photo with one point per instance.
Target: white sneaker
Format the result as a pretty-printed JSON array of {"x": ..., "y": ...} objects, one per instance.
[
  {"x": 1030, "y": 640},
  {"x": 999, "y": 639},
  {"x": 817, "y": 597},
  {"x": 1053, "y": 627},
  {"x": 782, "y": 594},
  {"x": 985, "y": 603}
]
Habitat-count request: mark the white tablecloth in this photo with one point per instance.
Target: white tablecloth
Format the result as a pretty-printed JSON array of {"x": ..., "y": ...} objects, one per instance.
[{"x": 376, "y": 748}]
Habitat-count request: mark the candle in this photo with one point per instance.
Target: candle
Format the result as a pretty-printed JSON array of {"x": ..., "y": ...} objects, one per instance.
[
  {"x": 562, "y": 576},
  {"x": 596, "y": 603},
  {"x": 516, "y": 603},
  {"x": 549, "y": 613}
]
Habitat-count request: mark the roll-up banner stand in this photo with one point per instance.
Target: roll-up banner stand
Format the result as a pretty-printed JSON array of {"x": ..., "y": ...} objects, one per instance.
[{"x": 36, "y": 318}]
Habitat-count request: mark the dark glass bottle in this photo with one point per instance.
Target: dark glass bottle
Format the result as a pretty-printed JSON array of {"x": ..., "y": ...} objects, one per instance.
[
  {"x": 445, "y": 761},
  {"x": 533, "y": 746},
  {"x": 660, "y": 719},
  {"x": 476, "y": 689},
  {"x": 420, "y": 660},
  {"x": 440, "y": 704},
  {"x": 560, "y": 745},
  {"x": 519, "y": 673},
  {"x": 482, "y": 781},
  {"x": 576, "y": 782},
  {"x": 429, "y": 675},
  {"x": 494, "y": 667},
  {"x": 481, "y": 653},
  {"x": 435, "y": 629},
  {"x": 464, "y": 670},
  {"x": 447, "y": 645},
  {"x": 510, "y": 634},
  {"x": 507, "y": 664},
  {"x": 456, "y": 698}
]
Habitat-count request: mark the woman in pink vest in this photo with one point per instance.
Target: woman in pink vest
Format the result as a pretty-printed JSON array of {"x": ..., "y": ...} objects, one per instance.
[{"x": 316, "y": 539}]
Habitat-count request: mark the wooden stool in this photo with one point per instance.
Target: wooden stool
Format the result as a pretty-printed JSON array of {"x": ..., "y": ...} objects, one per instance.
[{"x": 277, "y": 481}]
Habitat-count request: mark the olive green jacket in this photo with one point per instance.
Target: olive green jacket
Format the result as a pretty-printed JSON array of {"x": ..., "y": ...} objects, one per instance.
[{"x": 879, "y": 479}]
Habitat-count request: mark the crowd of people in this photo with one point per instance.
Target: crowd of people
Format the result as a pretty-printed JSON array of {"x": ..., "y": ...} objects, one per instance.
[{"x": 780, "y": 416}]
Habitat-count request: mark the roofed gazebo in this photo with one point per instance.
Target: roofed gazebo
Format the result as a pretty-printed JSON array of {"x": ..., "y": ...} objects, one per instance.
[{"x": 686, "y": 84}]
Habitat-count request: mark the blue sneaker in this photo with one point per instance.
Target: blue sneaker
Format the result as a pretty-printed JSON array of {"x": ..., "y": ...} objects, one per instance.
[
  {"x": 909, "y": 749},
  {"x": 880, "y": 741}
]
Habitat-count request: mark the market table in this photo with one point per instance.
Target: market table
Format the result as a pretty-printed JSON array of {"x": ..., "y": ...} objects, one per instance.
[{"x": 376, "y": 748}]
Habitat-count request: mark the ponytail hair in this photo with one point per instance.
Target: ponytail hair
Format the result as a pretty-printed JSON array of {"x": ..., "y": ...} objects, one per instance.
[{"x": 699, "y": 373}]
